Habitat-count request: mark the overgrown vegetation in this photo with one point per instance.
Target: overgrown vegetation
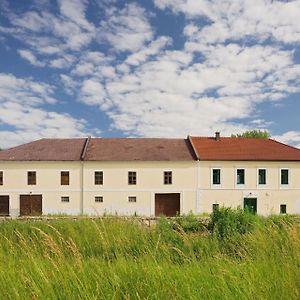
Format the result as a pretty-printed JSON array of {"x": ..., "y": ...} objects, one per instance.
[{"x": 236, "y": 256}]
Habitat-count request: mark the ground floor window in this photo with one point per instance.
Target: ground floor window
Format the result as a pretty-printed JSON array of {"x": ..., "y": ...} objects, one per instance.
[
  {"x": 215, "y": 206},
  {"x": 99, "y": 199},
  {"x": 132, "y": 199},
  {"x": 65, "y": 199},
  {"x": 283, "y": 208}
]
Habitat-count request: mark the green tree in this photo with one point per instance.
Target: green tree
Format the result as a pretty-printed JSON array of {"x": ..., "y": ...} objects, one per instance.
[{"x": 258, "y": 134}]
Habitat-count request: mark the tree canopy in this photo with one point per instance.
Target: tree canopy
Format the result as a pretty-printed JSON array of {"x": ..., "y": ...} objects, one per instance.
[{"x": 258, "y": 134}]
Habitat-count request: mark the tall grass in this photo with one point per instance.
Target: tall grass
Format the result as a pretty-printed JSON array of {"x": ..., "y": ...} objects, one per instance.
[{"x": 120, "y": 259}]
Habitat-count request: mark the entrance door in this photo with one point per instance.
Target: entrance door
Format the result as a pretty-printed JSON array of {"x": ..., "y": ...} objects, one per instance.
[
  {"x": 30, "y": 205},
  {"x": 250, "y": 204},
  {"x": 4, "y": 205},
  {"x": 167, "y": 204}
]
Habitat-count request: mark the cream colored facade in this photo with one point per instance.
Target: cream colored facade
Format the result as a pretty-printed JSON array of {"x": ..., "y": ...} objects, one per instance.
[
  {"x": 191, "y": 179},
  {"x": 269, "y": 196},
  {"x": 115, "y": 189}
]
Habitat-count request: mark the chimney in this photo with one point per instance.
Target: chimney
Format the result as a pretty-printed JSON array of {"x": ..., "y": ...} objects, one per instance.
[{"x": 218, "y": 136}]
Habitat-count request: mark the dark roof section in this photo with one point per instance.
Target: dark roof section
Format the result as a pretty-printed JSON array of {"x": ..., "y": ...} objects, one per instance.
[
  {"x": 46, "y": 150},
  {"x": 139, "y": 149},
  {"x": 243, "y": 149}
]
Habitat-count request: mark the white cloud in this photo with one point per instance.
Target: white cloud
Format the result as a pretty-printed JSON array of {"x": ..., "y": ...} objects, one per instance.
[
  {"x": 127, "y": 29},
  {"x": 290, "y": 137},
  {"x": 22, "y": 107},
  {"x": 26, "y": 54}
]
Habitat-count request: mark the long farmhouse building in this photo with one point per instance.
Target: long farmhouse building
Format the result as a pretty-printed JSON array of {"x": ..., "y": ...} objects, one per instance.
[{"x": 149, "y": 177}]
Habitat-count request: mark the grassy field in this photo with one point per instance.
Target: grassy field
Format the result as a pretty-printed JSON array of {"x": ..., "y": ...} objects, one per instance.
[{"x": 238, "y": 256}]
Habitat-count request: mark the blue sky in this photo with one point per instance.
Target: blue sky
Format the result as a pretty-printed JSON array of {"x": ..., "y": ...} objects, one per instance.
[{"x": 150, "y": 68}]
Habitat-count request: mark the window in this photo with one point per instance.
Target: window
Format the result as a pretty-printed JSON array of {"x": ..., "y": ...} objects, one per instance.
[
  {"x": 1, "y": 177},
  {"x": 262, "y": 176},
  {"x": 240, "y": 176},
  {"x": 132, "y": 199},
  {"x": 131, "y": 177},
  {"x": 64, "y": 178},
  {"x": 31, "y": 178},
  {"x": 168, "y": 177},
  {"x": 98, "y": 177},
  {"x": 284, "y": 180},
  {"x": 65, "y": 199},
  {"x": 99, "y": 199},
  {"x": 215, "y": 206},
  {"x": 283, "y": 208},
  {"x": 216, "y": 176}
]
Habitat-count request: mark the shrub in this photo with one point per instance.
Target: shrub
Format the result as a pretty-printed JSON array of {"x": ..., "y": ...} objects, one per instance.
[{"x": 227, "y": 222}]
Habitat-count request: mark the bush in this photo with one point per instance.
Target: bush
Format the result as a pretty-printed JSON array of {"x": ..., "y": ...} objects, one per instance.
[
  {"x": 227, "y": 222},
  {"x": 189, "y": 223}
]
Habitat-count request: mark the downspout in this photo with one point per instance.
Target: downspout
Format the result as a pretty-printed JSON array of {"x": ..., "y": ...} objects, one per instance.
[
  {"x": 82, "y": 158},
  {"x": 197, "y": 187}
]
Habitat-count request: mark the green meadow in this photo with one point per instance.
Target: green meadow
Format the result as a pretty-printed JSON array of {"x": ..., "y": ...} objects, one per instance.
[{"x": 235, "y": 256}]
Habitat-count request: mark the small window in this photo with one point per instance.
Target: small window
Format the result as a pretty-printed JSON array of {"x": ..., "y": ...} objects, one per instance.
[
  {"x": 283, "y": 208},
  {"x": 215, "y": 206},
  {"x": 131, "y": 177},
  {"x": 99, "y": 199},
  {"x": 98, "y": 178},
  {"x": 284, "y": 177},
  {"x": 216, "y": 176},
  {"x": 168, "y": 177},
  {"x": 1, "y": 177},
  {"x": 262, "y": 176},
  {"x": 31, "y": 178},
  {"x": 65, "y": 199},
  {"x": 64, "y": 178},
  {"x": 240, "y": 176},
  {"x": 132, "y": 199}
]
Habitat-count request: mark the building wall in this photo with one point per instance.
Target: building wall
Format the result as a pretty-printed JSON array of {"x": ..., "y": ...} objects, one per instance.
[
  {"x": 48, "y": 185},
  {"x": 115, "y": 190},
  {"x": 269, "y": 196}
]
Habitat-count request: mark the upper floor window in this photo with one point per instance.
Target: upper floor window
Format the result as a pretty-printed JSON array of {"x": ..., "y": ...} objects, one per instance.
[
  {"x": 64, "y": 177},
  {"x": 168, "y": 177},
  {"x": 31, "y": 178},
  {"x": 98, "y": 177},
  {"x": 284, "y": 178},
  {"x": 1, "y": 177},
  {"x": 262, "y": 176},
  {"x": 131, "y": 177},
  {"x": 240, "y": 176},
  {"x": 216, "y": 176}
]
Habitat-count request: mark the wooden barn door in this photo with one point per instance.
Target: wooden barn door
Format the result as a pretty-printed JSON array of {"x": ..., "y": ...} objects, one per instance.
[
  {"x": 167, "y": 204},
  {"x": 30, "y": 205},
  {"x": 4, "y": 205}
]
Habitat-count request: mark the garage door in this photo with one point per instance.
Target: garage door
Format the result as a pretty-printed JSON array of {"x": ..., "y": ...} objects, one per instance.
[
  {"x": 4, "y": 205},
  {"x": 167, "y": 204},
  {"x": 30, "y": 205}
]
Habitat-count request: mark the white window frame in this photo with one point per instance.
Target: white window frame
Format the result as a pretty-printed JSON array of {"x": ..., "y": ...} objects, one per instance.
[
  {"x": 132, "y": 196},
  {"x": 136, "y": 177},
  {"x": 257, "y": 174},
  {"x": 102, "y": 177},
  {"x": 212, "y": 177},
  {"x": 172, "y": 178},
  {"x": 245, "y": 176},
  {"x": 61, "y": 199},
  {"x": 285, "y": 186},
  {"x": 99, "y": 201}
]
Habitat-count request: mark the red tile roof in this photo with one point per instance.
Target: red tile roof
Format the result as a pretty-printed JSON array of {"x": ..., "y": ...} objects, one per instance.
[
  {"x": 46, "y": 150},
  {"x": 243, "y": 149},
  {"x": 139, "y": 149}
]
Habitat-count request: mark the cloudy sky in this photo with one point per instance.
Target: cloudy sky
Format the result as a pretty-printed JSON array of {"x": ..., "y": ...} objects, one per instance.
[{"x": 148, "y": 68}]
